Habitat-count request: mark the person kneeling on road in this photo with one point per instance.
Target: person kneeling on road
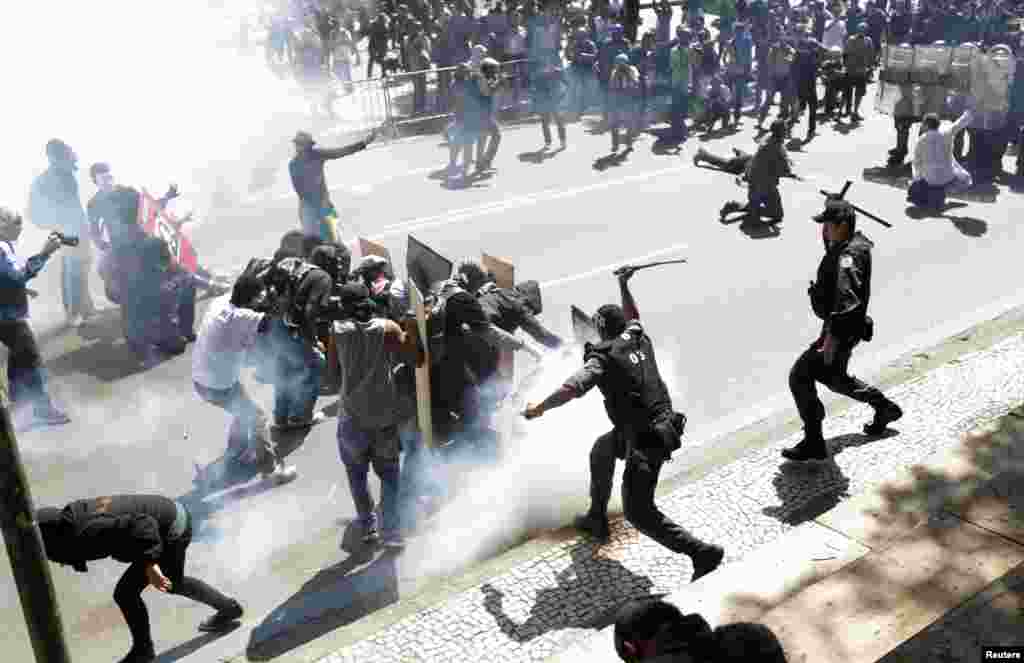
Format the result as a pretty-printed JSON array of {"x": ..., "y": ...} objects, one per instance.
[
  {"x": 935, "y": 170},
  {"x": 769, "y": 163},
  {"x": 152, "y": 534},
  {"x": 230, "y": 330},
  {"x": 646, "y": 429}
]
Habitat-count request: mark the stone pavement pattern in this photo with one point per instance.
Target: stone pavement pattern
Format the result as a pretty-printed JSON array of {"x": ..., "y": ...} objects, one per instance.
[{"x": 543, "y": 606}]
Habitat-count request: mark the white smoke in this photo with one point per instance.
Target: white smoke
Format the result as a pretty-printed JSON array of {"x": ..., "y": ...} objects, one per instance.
[
  {"x": 162, "y": 92},
  {"x": 541, "y": 482}
]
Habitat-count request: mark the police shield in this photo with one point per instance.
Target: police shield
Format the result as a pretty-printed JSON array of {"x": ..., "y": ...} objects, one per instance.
[
  {"x": 583, "y": 329},
  {"x": 425, "y": 266}
]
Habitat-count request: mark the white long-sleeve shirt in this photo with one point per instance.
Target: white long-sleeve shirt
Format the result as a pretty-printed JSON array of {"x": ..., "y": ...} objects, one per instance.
[
  {"x": 835, "y": 32},
  {"x": 933, "y": 155}
]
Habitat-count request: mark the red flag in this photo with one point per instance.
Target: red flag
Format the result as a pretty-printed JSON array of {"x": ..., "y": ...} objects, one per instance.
[{"x": 159, "y": 223}]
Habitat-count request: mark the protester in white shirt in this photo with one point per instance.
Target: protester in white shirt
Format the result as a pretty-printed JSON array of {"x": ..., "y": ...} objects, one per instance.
[
  {"x": 229, "y": 331},
  {"x": 933, "y": 154},
  {"x": 835, "y": 32}
]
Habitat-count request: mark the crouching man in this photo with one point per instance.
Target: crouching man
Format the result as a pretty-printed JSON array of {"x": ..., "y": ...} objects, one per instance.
[{"x": 151, "y": 533}]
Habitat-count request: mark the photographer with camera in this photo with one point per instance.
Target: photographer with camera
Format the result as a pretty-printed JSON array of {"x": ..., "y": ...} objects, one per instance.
[
  {"x": 231, "y": 329},
  {"x": 27, "y": 382}
]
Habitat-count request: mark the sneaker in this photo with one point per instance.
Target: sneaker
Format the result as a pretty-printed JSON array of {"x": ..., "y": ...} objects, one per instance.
[
  {"x": 393, "y": 540},
  {"x": 807, "y": 450},
  {"x": 44, "y": 417},
  {"x": 140, "y": 655},
  {"x": 223, "y": 619},
  {"x": 884, "y": 416},
  {"x": 281, "y": 474},
  {"x": 595, "y": 526},
  {"x": 371, "y": 535},
  {"x": 707, "y": 561}
]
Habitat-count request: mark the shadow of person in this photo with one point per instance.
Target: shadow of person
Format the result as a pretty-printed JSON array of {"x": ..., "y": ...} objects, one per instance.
[
  {"x": 186, "y": 649},
  {"x": 758, "y": 229},
  {"x": 602, "y": 164},
  {"x": 107, "y": 361},
  {"x": 897, "y": 178},
  {"x": 336, "y": 596},
  {"x": 539, "y": 156},
  {"x": 969, "y": 225},
  {"x": 588, "y": 595},
  {"x": 807, "y": 490}
]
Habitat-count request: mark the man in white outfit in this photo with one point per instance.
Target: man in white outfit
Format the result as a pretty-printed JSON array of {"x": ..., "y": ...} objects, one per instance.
[{"x": 935, "y": 170}]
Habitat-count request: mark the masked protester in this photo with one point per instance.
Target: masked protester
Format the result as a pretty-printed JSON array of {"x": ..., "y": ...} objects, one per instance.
[
  {"x": 151, "y": 534},
  {"x": 389, "y": 294},
  {"x": 373, "y": 408},
  {"x": 839, "y": 296},
  {"x": 646, "y": 429}
]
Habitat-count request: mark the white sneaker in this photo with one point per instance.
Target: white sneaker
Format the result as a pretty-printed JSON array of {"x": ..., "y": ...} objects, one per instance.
[{"x": 282, "y": 474}]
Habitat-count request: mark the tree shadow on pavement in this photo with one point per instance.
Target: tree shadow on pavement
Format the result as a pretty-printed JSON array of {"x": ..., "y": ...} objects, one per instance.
[
  {"x": 807, "y": 490},
  {"x": 588, "y": 595},
  {"x": 336, "y": 596},
  {"x": 928, "y": 511},
  {"x": 186, "y": 649}
]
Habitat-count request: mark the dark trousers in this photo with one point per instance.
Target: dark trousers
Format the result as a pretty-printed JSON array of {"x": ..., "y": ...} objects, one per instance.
[
  {"x": 128, "y": 592},
  {"x": 856, "y": 87},
  {"x": 545, "y": 126},
  {"x": 27, "y": 384},
  {"x": 638, "y": 485},
  {"x": 807, "y": 94},
  {"x": 734, "y": 166},
  {"x": 764, "y": 202},
  {"x": 680, "y": 109},
  {"x": 810, "y": 368}
]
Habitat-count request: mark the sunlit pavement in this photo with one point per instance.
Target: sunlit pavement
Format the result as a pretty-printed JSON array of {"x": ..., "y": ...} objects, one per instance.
[{"x": 727, "y": 326}]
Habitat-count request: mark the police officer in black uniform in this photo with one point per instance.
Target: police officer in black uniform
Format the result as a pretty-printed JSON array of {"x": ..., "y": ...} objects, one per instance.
[
  {"x": 646, "y": 429},
  {"x": 840, "y": 297}
]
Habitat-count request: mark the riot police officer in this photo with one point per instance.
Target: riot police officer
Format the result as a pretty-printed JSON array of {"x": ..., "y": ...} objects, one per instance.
[
  {"x": 646, "y": 429},
  {"x": 839, "y": 296}
]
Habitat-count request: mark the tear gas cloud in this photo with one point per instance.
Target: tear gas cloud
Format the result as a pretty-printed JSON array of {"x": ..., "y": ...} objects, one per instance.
[
  {"x": 159, "y": 91},
  {"x": 542, "y": 481}
]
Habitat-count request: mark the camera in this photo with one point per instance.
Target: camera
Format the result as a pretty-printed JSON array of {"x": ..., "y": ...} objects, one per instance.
[{"x": 66, "y": 240}]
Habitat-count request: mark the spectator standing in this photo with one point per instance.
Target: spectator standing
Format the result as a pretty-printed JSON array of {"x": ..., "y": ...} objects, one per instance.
[
  {"x": 55, "y": 205},
  {"x": 679, "y": 60},
  {"x": 663, "y": 12},
  {"x": 548, "y": 90},
  {"x": 623, "y": 101},
  {"x": 379, "y": 32},
  {"x": 860, "y": 57},
  {"x": 582, "y": 57},
  {"x": 30, "y": 403}
]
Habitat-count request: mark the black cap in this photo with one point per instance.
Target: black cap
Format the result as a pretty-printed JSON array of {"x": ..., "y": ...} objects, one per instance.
[{"x": 836, "y": 211}]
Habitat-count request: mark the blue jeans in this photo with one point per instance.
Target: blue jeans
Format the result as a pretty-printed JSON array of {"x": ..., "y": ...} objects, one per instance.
[
  {"x": 297, "y": 375},
  {"x": 359, "y": 448},
  {"x": 73, "y": 283}
]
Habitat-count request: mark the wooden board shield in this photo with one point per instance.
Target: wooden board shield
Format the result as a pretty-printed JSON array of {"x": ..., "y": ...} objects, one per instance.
[
  {"x": 423, "y": 412},
  {"x": 583, "y": 329},
  {"x": 504, "y": 276}
]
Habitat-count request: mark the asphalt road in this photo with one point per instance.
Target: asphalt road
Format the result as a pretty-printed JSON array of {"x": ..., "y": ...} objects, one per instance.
[{"x": 727, "y": 327}]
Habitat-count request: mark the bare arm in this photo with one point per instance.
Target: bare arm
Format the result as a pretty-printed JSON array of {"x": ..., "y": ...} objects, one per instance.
[{"x": 628, "y": 303}]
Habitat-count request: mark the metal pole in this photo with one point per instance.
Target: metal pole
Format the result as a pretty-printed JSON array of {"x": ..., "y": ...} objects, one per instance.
[{"x": 25, "y": 550}]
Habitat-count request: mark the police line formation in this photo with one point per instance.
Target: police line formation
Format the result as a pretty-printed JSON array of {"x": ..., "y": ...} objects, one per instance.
[{"x": 421, "y": 365}]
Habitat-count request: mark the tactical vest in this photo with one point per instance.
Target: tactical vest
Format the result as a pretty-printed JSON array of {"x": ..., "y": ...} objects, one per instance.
[{"x": 634, "y": 393}]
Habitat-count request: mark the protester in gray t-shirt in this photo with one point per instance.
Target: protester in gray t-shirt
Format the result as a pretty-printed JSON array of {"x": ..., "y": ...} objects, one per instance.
[{"x": 372, "y": 407}]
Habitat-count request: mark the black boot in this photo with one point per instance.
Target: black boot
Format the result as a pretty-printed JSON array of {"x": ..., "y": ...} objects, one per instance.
[
  {"x": 706, "y": 561},
  {"x": 562, "y": 137},
  {"x": 222, "y": 619},
  {"x": 596, "y": 525},
  {"x": 885, "y": 414},
  {"x": 811, "y": 448},
  {"x": 547, "y": 135}
]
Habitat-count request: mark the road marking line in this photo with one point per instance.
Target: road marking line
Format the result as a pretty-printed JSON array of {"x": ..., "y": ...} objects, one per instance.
[
  {"x": 546, "y": 195},
  {"x": 608, "y": 268}
]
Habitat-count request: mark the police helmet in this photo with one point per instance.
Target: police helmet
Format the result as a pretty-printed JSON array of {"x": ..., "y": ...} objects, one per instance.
[
  {"x": 610, "y": 321},
  {"x": 469, "y": 274}
]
